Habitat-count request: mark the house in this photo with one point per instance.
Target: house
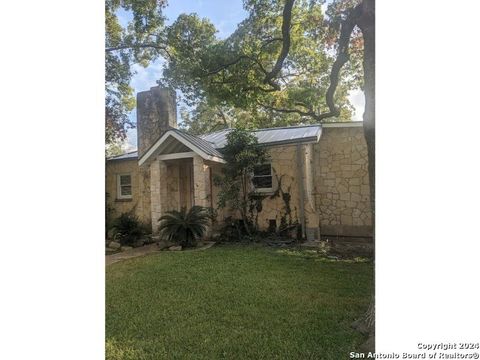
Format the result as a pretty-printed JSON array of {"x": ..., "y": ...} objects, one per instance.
[{"x": 317, "y": 176}]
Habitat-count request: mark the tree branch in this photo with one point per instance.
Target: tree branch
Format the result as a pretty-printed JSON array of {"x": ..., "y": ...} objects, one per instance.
[
  {"x": 343, "y": 56},
  {"x": 287, "y": 19},
  {"x": 237, "y": 60},
  {"x": 139, "y": 46},
  {"x": 270, "y": 75}
]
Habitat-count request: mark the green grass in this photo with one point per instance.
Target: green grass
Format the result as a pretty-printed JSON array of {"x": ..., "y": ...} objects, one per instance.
[{"x": 235, "y": 302}]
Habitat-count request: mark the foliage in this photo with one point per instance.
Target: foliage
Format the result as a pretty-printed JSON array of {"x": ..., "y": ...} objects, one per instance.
[
  {"x": 241, "y": 153},
  {"x": 226, "y": 81},
  {"x": 185, "y": 227},
  {"x": 277, "y": 305},
  {"x": 140, "y": 41},
  {"x": 231, "y": 74},
  {"x": 113, "y": 149},
  {"x": 109, "y": 211},
  {"x": 128, "y": 228}
]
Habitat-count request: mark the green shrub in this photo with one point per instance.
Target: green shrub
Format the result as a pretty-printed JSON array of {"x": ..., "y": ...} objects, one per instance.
[
  {"x": 128, "y": 228},
  {"x": 184, "y": 227}
]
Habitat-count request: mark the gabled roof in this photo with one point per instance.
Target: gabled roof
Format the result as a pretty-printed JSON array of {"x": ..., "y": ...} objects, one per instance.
[
  {"x": 178, "y": 142},
  {"x": 209, "y": 145}
]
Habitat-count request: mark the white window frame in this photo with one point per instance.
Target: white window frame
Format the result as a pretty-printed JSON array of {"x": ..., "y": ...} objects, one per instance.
[
  {"x": 119, "y": 187},
  {"x": 263, "y": 190}
]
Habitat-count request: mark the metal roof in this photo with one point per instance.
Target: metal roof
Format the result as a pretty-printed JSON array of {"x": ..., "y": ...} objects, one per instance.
[
  {"x": 271, "y": 136},
  {"x": 212, "y": 142},
  {"x": 128, "y": 156},
  {"x": 205, "y": 145}
]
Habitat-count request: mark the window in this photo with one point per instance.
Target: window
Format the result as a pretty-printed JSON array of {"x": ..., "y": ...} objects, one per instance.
[
  {"x": 262, "y": 177},
  {"x": 124, "y": 186}
]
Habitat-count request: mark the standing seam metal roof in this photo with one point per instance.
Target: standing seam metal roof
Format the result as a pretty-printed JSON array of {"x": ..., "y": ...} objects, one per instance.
[
  {"x": 271, "y": 136},
  {"x": 212, "y": 142},
  {"x": 202, "y": 144}
]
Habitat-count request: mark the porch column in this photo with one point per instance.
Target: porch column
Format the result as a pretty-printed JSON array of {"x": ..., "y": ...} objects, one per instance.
[
  {"x": 158, "y": 191},
  {"x": 201, "y": 182},
  {"x": 201, "y": 186}
]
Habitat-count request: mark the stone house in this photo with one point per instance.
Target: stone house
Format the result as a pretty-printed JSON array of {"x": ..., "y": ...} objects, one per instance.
[{"x": 317, "y": 175}]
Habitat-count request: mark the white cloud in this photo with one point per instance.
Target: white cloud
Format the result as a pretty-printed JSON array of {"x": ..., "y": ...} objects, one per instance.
[
  {"x": 357, "y": 98},
  {"x": 145, "y": 78},
  {"x": 130, "y": 143}
]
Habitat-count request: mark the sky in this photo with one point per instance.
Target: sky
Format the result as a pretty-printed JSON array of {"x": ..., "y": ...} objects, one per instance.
[{"x": 225, "y": 15}]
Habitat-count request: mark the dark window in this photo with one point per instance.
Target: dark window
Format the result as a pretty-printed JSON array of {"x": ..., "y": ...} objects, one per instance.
[
  {"x": 262, "y": 177},
  {"x": 272, "y": 225}
]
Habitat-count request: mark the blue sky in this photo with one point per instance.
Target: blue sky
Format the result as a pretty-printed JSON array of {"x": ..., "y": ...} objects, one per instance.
[{"x": 225, "y": 15}]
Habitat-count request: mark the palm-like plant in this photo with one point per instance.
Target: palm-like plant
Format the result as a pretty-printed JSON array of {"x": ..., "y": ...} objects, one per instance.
[{"x": 184, "y": 227}]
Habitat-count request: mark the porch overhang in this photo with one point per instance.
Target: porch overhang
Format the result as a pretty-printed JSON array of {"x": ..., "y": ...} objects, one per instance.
[{"x": 175, "y": 144}]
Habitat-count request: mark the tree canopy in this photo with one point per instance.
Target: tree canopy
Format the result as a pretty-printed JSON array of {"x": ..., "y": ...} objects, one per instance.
[
  {"x": 275, "y": 67},
  {"x": 274, "y": 70}
]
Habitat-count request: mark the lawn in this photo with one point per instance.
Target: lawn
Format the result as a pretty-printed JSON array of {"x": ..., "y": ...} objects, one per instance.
[{"x": 235, "y": 302}]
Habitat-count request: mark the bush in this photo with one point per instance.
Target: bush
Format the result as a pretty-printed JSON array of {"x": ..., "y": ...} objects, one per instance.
[
  {"x": 184, "y": 227},
  {"x": 128, "y": 229}
]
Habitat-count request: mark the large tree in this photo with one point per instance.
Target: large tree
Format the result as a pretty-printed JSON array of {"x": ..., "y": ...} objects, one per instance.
[{"x": 245, "y": 71}]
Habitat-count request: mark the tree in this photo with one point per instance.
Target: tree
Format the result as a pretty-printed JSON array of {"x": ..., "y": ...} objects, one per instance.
[
  {"x": 242, "y": 153},
  {"x": 141, "y": 40},
  {"x": 242, "y": 72}
]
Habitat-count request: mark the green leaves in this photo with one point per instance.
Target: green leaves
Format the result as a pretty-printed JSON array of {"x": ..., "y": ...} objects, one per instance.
[
  {"x": 242, "y": 153},
  {"x": 235, "y": 73},
  {"x": 141, "y": 41},
  {"x": 184, "y": 227}
]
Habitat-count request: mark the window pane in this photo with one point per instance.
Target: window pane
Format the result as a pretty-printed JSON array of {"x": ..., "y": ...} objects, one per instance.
[
  {"x": 262, "y": 182},
  {"x": 126, "y": 190},
  {"x": 125, "y": 180},
  {"x": 264, "y": 169}
]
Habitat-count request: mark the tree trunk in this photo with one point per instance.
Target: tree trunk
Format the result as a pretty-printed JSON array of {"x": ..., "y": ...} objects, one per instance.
[{"x": 366, "y": 24}]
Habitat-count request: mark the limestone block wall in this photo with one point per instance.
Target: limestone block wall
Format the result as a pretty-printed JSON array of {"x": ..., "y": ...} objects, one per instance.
[
  {"x": 341, "y": 182},
  {"x": 140, "y": 201},
  {"x": 283, "y": 160},
  {"x": 158, "y": 191},
  {"x": 201, "y": 182}
]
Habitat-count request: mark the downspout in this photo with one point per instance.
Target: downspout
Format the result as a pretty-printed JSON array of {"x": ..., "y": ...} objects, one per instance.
[{"x": 301, "y": 190}]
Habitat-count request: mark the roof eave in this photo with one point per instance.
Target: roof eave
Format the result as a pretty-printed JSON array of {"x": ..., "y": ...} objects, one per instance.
[{"x": 151, "y": 153}]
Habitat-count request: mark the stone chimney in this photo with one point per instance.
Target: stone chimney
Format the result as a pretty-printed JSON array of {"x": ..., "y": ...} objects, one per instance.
[{"x": 156, "y": 113}]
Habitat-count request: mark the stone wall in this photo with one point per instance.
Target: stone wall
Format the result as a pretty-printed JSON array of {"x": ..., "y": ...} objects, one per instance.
[
  {"x": 335, "y": 182},
  {"x": 335, "y": 185},
  {"x": 140, "y": 201},
  {"x": 156, "y": 113},
  {"x": 342, "y": 185}
]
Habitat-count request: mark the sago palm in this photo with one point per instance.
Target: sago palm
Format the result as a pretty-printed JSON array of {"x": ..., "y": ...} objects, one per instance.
[{"x": 184, "y": 227}]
